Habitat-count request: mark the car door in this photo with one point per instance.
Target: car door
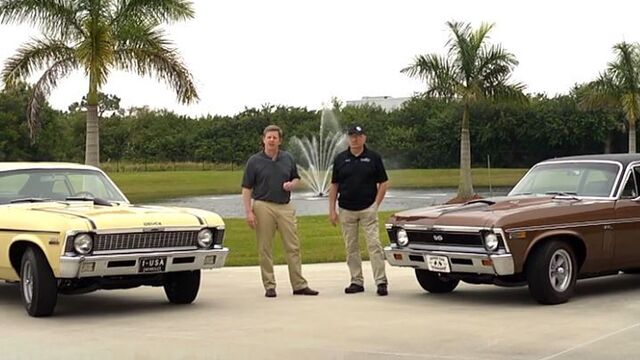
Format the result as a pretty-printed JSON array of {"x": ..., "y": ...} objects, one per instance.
[{"x": 626, "y": 224}]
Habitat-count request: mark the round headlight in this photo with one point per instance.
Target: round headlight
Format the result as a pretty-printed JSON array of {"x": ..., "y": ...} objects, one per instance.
[
  {"x": 83, "y": 244},
  {"x": 205, "y": 238},
  {"x": 403, "y": 238},
  {"x": 491, "y": 241}
]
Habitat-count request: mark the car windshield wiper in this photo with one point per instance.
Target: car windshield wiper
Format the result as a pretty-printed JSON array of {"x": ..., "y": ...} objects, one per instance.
[
  {"x": 96, "y": 200},
  {"x": 569, "y": 194},
  {"x": 30, "y": 199}
]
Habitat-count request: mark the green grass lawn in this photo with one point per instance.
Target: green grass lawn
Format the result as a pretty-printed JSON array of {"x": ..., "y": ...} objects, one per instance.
[{"x": 320, "y": 241}]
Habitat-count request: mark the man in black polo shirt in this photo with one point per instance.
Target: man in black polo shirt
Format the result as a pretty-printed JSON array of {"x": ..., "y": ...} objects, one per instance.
[
  {"x": 269, "y": 178},
  {"x": 359, "y": 183}
]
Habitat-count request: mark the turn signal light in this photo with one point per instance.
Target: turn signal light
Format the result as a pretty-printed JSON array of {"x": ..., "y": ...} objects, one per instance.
[
  {"x": 397, "y": 256},
  {"x": 487, "y": 262}
]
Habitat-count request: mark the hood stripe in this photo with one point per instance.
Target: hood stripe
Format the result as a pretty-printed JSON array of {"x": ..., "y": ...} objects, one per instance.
[
  {"x": 200, "y": 220},
  {"x": 93, "y": 225}
]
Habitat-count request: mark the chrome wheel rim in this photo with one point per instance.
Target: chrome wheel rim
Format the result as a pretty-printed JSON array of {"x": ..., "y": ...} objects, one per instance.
[
  {"x": 27, "y": 282},
  {"x": 560, "y": 270}
]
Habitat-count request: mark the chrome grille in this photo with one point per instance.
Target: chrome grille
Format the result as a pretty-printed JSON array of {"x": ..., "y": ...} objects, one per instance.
[{"x": 145, "y": 240}]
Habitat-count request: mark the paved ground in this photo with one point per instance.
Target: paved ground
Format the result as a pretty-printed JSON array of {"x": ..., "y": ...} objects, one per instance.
[{"x": 232, "y": 320}]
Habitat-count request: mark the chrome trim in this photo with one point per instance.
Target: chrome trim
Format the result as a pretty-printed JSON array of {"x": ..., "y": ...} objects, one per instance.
[
  {"x": 132, "y": 251},
  {"x": 70, "y": 266},
  {"x": 627, "y": 173},
  {"x": 615, "y": 182},
  {"x": 147, "y": 229},
  {"x": 470, "y": 229},
  {"x": 502, "y": 264},
  {"x": 388, "y": 226}
]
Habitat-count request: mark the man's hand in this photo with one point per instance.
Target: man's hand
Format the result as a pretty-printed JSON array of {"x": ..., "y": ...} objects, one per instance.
[
  {"x": 333, "y": 218},
  {"x": 288, "y": 185},
  {"x": 251, "y": 219}
]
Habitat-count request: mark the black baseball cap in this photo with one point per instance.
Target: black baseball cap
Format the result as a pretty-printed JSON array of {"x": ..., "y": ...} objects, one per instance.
[{"x": 355, "y": 130}]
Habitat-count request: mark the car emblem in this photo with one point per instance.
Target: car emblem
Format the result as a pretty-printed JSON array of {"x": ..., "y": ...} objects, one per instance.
[{"x": 437, "y": 237}]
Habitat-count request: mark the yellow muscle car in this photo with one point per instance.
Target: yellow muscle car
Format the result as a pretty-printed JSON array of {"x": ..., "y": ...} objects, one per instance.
[{"x": 67, "y": 228}]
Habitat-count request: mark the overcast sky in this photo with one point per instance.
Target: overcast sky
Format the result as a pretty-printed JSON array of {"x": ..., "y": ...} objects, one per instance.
[{"x": 246, "y": 53}]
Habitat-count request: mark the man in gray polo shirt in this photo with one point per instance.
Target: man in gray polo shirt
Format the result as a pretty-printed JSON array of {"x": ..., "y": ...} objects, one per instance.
[{"x": 269, "y": 178}]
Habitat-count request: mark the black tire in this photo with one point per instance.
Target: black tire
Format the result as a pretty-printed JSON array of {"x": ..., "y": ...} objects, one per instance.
[
  {"x": 551, "y": 273},
  {"x": 434, "y": 283},
  {"x": 38, "y": 286},
  {"x": 182, "y": 287}
]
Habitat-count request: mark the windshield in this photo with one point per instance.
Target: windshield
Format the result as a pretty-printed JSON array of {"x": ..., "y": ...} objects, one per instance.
[
  {"x": 591, "y": 179},
  {"x": 56, "y": 184}
]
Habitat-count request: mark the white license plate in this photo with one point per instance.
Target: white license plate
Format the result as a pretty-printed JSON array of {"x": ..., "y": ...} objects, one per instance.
[{"x": 438, "y": 263}]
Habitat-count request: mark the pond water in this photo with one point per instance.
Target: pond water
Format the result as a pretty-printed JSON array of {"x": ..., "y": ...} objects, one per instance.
[{"x": 307, "y": 204}]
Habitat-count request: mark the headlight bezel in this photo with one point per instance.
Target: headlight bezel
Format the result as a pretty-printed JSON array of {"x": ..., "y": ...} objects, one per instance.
[
  {"x": 491, "y": 241},
  {"x": 205, "y": 238},
  {"x": 402, "y": 238},
  {"x": 83, "y": 243}
]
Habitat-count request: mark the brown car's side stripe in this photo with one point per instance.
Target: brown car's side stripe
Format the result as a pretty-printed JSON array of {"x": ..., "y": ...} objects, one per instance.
[
  {"x": 93, "y": 225},
  {"x": 571, "y": 225}
]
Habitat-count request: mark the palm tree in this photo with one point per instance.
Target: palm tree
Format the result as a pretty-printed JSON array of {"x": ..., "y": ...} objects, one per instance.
[
  {"x": 95, "y": 36},
  {"x": 618, "y": 86},
  {"x": 471, "y": 71}
]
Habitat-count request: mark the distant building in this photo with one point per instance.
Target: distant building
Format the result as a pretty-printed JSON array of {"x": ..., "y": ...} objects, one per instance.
[{"x": 387, "y": 103}]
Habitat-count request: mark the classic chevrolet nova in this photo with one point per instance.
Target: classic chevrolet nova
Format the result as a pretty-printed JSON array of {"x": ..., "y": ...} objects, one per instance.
[
  {"x": 566, "y": 219},
  {"x": 67, "y": 228}
]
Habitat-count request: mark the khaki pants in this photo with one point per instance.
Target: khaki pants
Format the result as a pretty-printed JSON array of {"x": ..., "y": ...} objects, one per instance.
[
  {"x": 368, "y": 219},
  {"x": 282, "y": 217}
]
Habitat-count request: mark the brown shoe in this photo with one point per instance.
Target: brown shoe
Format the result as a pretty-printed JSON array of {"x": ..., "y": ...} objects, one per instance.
[
  {"x": 305, "y": 291},
  {"x": 270, "y": 293}
]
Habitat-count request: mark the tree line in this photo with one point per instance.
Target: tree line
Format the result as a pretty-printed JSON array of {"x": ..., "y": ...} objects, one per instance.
[{"x": 423, "y": 133}]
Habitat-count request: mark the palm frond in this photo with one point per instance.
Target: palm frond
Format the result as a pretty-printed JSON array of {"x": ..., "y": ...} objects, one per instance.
[
  {"x": 437, "y": 72},
  {"x": 159, "y": 11},
  {"x": 148, "y": 52},
  {"x": 32, "y": 56},
  {"x": 56, "y": 18},
  {"x": 42, "y": 89}
]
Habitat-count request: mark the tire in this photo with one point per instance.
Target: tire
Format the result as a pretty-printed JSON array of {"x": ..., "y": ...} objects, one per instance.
[
  {"x": 182, "y": 287},
  {"x": 434, "y": 283},
  {"x": 551, "y": 273},
  {"x": 38, "y": 286}
]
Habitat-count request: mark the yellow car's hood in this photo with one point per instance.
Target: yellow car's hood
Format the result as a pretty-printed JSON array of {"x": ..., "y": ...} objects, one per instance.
[{"x": 129, "y": 216}]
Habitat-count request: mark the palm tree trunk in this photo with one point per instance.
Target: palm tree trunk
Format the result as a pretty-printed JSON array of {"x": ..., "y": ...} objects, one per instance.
[
  {"x": 632, "y": 136},
  {"x": 465, "y": 186},
  {"x": 92, "y": 142},
  {"x": 92, "y": 146}
]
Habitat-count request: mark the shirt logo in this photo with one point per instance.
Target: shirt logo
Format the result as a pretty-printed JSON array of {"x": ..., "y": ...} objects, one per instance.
[{"x": 365, "y": 160}]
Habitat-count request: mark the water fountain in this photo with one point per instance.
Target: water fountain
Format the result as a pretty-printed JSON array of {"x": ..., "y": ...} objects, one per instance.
[{"x": 315, "y": 155}]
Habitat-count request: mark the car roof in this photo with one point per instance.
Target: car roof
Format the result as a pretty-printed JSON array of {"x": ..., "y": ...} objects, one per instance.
[
  {"x": 8, "y": 166},
  {"x": 623, "y": 159}
]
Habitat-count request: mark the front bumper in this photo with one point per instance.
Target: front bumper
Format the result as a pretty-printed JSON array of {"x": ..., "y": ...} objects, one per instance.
[
  {"x": 129, "y": 264},
  {"x": 460, "y": 262}
]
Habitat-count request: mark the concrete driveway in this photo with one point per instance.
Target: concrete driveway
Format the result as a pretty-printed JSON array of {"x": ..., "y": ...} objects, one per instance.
[{"x": 231, "y": 319}]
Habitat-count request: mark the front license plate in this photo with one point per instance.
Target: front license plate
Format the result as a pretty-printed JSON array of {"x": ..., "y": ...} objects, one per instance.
[
  {"x": 153, "y": 264},
  {"x": 438, "y": 263}
]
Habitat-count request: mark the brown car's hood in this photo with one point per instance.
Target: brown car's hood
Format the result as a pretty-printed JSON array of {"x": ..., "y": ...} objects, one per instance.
[{"x": 498, "y": 212}]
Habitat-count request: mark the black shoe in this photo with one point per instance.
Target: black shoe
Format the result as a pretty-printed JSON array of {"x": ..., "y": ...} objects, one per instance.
[
  {"x": 353, "y": 288},
  {"x": 270, "y": 293},
  {"x": 382, "y": 290},
  {"x": 305, "y": 291}
]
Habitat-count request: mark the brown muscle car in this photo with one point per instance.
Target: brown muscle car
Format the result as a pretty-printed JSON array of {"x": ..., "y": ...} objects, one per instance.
[{"x": 566, "y": 219}]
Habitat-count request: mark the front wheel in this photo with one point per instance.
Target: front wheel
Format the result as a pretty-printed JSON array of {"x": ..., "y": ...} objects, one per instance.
[
  {"x": 551, "y": 273},
  {"x": 38, "y": 286},
  {"x": 434, "y": 283},
  {"x": 182, "y": 287}
]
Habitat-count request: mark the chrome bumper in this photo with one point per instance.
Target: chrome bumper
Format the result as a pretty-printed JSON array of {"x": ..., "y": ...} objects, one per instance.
[
  {"x": 496, "y": 264},
  {"x": 128, "y": 264}
]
